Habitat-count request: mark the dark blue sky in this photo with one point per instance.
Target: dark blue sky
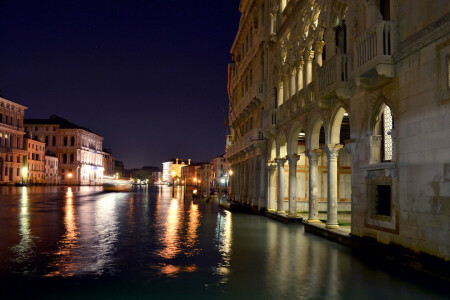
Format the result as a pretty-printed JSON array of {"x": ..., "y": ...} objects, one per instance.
[{"x": 149, "y": 76}]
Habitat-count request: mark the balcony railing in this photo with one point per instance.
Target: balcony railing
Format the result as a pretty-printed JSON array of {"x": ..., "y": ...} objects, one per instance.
[
  {"x": 255, "y": 91},
  {"x": 334, "y": 70},
  {"x": 375, "y": 47}
]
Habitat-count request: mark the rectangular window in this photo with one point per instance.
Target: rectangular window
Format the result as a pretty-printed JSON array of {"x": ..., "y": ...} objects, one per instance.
[
  {"x": 18, "y": 171},
  {"x": 383, "y": 200}
]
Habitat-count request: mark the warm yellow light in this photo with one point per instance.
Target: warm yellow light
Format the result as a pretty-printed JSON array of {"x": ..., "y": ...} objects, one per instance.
[
  {"x": 173, "y": 173},
  {"x": 199, "y": 181},
  {"x": 195, "y": 179},
  {"x": 231, "y": 172},
  {"x": 24, "y": 171},
  {"x": 69, "y": 175}
]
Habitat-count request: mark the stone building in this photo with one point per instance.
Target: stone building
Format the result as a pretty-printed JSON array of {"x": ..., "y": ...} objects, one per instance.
[
  {"x": 189, "y": 173},
  {"x": 173, "y": 165},
  {"x": 51, "y": 168},
  {"x": 12, "y": 154},
  {"x": 345, "y": 105},
  {"x": 109, "y": 163},
  {"x": 219, "y": 170},
  {"x": 35, "y": 159},
  {"x": 79, "y": 150}
]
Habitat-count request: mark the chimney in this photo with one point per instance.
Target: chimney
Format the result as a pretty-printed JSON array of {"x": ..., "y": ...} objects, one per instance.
[
  {"x": 189, "y": 161},
  {"x": 177, "y": 161}
]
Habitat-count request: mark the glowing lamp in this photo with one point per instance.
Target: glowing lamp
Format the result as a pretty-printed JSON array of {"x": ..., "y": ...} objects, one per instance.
[
  {"x": 230, "y": 172},
  {"x": 24, "y": 171},
  {"x": 69, "y": 175}
]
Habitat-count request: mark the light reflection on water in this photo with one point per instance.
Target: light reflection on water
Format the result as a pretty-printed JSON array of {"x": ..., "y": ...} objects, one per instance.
[
  {"x": 66, "y": 260},
  {"x": 155, "y": 241},
  {"x": 24, "y": 250}
]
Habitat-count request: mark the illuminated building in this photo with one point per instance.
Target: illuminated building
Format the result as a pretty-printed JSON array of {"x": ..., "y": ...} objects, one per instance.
[
  {"x": 344, "y": 106},
  {"x": 108, "y": 163},
  {"x": 219, "y": 170},
  {"x": 35, "y": 159},
  {"x": 189, "y": 173},
  {"x": 79, "y": 150},
  {"x": 12, "y": 154},
  {"x": 173, "y": 165},
  {"x": 51, "y": 168}
]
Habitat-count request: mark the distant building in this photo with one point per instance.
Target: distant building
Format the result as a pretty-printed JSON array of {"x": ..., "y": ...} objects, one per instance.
[
  {"x": 12, "y": 154},
  {"x": 189, "y": 173},
  {"x": 173, "y": 165},
  {"x": 35, "y": 159},
  {"x": 79, "y": 150},
  {"x": 145, "y": 173},
  {"x": 51, "y": 168},
  {"x": 108, "y": 163},
  {"x": 219, "y": 169},
  {"x": 204, "y": 176}
]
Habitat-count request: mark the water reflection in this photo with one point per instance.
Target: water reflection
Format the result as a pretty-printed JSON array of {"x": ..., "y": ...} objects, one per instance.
[
  {"x": 24, "y": 250},
  {"x": 170, "y": 238},
  {"x": 158, "y": 242},
  {"x": 224, "y": 241},
  {"x": 66, "y": 263}
]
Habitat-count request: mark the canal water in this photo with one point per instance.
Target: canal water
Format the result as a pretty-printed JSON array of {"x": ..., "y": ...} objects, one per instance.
[{"x": 83, "y": 243}]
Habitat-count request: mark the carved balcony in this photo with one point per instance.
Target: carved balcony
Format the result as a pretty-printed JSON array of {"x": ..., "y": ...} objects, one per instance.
[
  {"x": 334, "y": 77},
  {"x": 373, "y": 59}
]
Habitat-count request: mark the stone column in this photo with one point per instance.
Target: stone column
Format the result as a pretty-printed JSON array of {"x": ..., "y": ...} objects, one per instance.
[
  {"x": 293, "y": 158},
  {"x": 280, "y": 164},
  {"x": 263, "y": 187},
  {"x": 319, "y": 51},
  {"x": 245, "y": 183},
  {"x": 249, "y": 186},
  {"x": 271, "y": 167},
  {"x": 256, "y": 182},
  {"x": 313, "y": 161},
  {"x": 300, "y": 76},
  {"x": 332, "y": 152},
  {"x": 292, "y": 90},
  {"x": 309, "y": 56}
]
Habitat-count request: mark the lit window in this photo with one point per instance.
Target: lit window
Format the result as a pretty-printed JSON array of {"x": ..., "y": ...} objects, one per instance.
[{"x": 386, "y": 134}]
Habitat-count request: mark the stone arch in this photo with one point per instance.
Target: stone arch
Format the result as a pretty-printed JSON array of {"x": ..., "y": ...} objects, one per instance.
[
  {"x": 272, "y": 151},
  {"x": 281, "y": 144},
  {"x": 313, "y": 132},
  {"x": 335, "y": 123},
  {"x": 293, "y": 135}
]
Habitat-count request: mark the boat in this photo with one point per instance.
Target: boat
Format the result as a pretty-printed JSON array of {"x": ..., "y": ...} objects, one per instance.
[{"x": 114, "y": 184}]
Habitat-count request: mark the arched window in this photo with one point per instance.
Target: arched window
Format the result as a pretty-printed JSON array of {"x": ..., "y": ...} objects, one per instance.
[
  {"x": 65, "y": 141},
  {"x": 54, "y": 141},
  {"x": 382, "y": 141},
  {"x": 72, "y": 141},
  {"x": 387, "y": 125}
]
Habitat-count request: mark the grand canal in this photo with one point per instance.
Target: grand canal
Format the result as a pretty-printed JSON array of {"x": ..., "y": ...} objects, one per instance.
[{"x": 79, "y": 242}]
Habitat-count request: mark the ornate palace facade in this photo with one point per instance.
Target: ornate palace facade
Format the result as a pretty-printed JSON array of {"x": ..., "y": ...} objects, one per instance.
[
  {"x": 344, "y": 105},
  {"x": 79, "y": 151}
]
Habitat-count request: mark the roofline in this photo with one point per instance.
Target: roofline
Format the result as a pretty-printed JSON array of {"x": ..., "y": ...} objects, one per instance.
[{"x": 13, "y": 103}]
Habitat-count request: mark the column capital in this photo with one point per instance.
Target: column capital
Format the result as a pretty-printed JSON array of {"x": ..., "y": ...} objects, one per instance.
[
  {"x": 293, "y": 158},
  {"x": 309, "y": 55},
  {"x": 332, "y": 151},
  {"x": 280, "y": 161},
  {"x": 271, "y": 166},
  {"x": 313, "y": 155},
  {"x": 293, "y": 71}
]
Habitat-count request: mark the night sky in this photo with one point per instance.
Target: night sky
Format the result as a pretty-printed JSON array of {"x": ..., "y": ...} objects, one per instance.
[{"x": 149, "y": 76}]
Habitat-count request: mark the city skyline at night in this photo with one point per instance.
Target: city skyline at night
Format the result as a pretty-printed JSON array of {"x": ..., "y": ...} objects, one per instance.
[{"x": 117, "y": 69}]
